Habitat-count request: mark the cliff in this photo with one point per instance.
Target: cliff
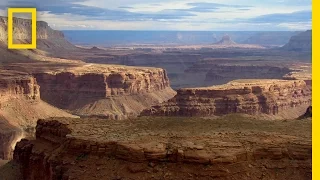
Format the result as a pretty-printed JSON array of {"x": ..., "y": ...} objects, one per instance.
[
  {"x": 186, "y": 148},
  {"x": 48, "y": 40},
  {"x": 22, "y": 29},
  {"x": 278, "y": 38},
  {"x": 20, "y": 108},
  {"x": 300, "y": 42},
  {"x": 276, "y": 99},
  {"x": 110, "y": 91},
  {"x": 219, "y": 71}
]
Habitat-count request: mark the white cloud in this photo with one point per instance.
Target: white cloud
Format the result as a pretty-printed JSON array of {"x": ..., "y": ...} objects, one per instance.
[{"x": 226, "y": 17}]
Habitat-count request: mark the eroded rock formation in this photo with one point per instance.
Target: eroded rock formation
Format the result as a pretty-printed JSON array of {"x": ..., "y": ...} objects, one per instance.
[
  {"x": 225, "y": 73},
  {"x": 73, "y": 149},
  {"x": 20, "y": 108},
  {"x": 115, "y": 92},
  {"x": 48, "y": 40},
  {"x": 278, "y": 99}
]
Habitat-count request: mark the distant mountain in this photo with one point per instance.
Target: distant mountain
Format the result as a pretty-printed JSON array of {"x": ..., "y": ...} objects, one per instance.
[
  {"x": 226, "y": 40},
  {"x": 270, "y": 38},
  {"x": 300, "y": 42},
  {"x": 118, "y": 37},
  {"x": 49, "y": 41}
]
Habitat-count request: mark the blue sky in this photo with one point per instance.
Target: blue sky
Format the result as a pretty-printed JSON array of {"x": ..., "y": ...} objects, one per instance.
[{"x": 210, "y": 15}]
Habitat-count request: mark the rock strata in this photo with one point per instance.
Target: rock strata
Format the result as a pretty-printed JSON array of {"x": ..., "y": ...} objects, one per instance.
[
  {"x": 65, "y": 147},
  {"x": 47, "y": 39},
  {"x": 20, "y": 108},
  {"x": 278, "y": 99},
  {"x": 114, "y": 92}
]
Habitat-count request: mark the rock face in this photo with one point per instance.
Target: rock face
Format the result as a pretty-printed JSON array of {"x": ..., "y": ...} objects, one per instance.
[
  {"x": 226, "y": 40},
  {"x": 73, "y": 149},
  {"x": 300, "y": 42},
  {"x": 47, "y": 39},
  {"x": 221, "y": 71},
  {"x": 220, "y": 74},
  {"x": 278, "y": 99},
  {"x": 277, "y": 38},
  {"x": 20, "y": 108},
  {"x": 20, "y": 85},
  {"x": 115, "y": 92}
]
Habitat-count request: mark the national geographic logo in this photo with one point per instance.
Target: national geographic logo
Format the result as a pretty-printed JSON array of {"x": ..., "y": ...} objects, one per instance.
[{"x": 33, "y": 12}]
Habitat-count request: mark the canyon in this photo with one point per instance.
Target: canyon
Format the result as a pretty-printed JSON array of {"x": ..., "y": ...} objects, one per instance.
[
  {"x": 114, "y": 110},
  {"x": 113, "y": 92},
  {"x": 275, "y": 99},
  {"x": 20, "y": 108},
  {"x": 154, "y": 148},
  {"x": 38, "y": 84}
]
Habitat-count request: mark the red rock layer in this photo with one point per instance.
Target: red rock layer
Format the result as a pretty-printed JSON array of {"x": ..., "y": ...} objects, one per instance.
[
  {"x": 64, "y": 148},
  {"x": 270, "y": 97},
  {"x": 113, "y": 93},
  {"x": 20, "y": 108}
]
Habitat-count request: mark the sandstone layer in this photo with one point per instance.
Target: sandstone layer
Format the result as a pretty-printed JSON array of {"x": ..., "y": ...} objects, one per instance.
[
  {"x": 49, "y": 42},
  {"x": 276, "y": 99},
  {"x": 221, "y": 71},
  {"x": 109, "y": 91},
  {"x": 167, "y": 149},
  {"x": 20, "y": 108}
]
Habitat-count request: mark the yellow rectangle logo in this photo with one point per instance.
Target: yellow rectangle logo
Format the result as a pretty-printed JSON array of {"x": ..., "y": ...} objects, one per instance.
[{"x": 33, "y": 12}]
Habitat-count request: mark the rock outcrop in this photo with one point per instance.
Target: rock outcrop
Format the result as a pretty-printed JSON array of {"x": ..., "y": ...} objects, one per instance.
[
  {"x": 226, "y": 40},
  {"x": 270, "y": 39},
  {"x": 221, "y": 71},
  {"x": 225, "y": 73},
  {"x": 278, "y": 99},
  {"x": 70, "y": 149},
  {"x": 110, "y": 91},
  {"x": 20, "y": 108},
  {"x": 48, "y": 40},
  {"x": 300, "y": 42}
]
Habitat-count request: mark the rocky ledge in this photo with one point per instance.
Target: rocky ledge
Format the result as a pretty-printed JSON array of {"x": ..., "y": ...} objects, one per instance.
[
  {"x": 20, "y": 108},
  {"x": 109, "y": 91},
  {"x": 166, "y": 149},
  {"x": 276, "y": 99}
]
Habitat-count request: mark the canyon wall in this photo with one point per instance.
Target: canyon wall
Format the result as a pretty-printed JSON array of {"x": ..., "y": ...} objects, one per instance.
[
  {"x": 48, "y": 40},
  {"x": 221, "y": 74},
  {"x": 73, "y": 149},
  {"x": 300, "y": 42},
  {"x": 278, "y": 99},
  {"x": 115, "y": 92},
  {"x": 20, "y": 108}
]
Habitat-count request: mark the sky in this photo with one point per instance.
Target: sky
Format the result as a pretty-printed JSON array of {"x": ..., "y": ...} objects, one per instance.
[{"x": 180, "y": 15}]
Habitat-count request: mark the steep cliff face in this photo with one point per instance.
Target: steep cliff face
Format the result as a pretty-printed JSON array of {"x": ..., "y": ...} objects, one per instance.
[
  {"x": 195, "y": 149},
  {"x": 48, "y": 40},
  {"x": 116, "y": 92},
  {"x": 20, "y": 108},
  {"x": 278, "y": 99},
  {"x": 226, "y": 73},
  {"x": 18, "y": 85},
  {"x": 300, "y": 42},
  {"x": 222, "y": 71}
]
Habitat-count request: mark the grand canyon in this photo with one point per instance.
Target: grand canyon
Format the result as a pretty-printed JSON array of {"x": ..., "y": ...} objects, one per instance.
[{"x": 227, "y": 109}]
